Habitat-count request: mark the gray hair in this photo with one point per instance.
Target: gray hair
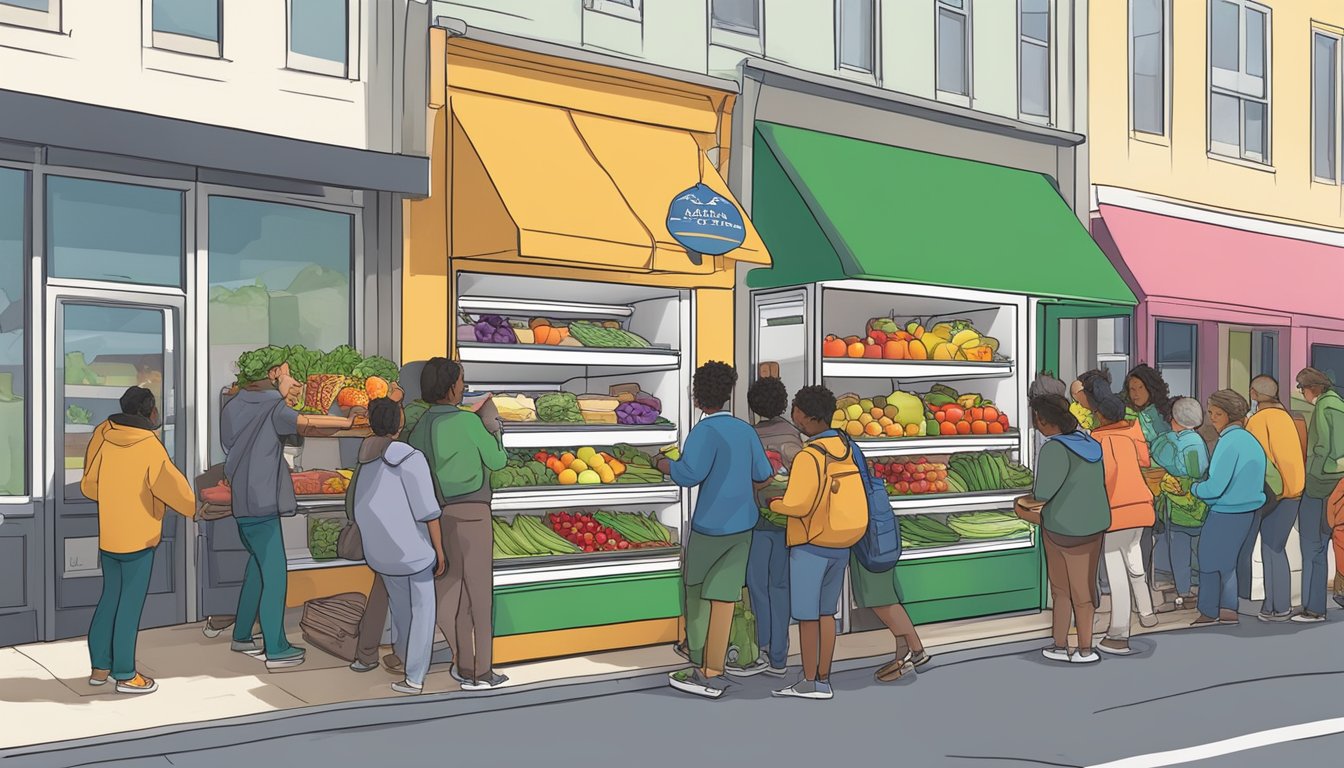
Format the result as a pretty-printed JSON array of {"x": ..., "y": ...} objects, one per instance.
[
  {"x": 1046, "y": 384},
  {"x": 1266, "y": 385},
  {"x": 1232, "y": 403},
  {"x": 1187, "y": 412}
]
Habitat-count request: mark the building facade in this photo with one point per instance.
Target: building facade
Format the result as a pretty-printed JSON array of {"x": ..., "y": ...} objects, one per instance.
[{"x": 182, "y": 180}]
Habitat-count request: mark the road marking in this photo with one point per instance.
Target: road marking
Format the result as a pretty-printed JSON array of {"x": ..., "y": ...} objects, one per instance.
[{"x": 1229, "y": 746}]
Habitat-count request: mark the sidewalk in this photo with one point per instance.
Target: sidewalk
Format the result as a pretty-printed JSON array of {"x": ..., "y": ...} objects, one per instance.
[{"x": 45, "y": 696}]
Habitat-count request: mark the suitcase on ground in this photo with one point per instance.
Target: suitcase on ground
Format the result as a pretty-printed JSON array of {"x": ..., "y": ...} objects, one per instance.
[{"x": 332, "y": 624}]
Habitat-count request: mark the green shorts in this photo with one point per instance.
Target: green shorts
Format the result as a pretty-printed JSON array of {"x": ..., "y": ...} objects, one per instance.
[
  {"x": 718, "y": 564},
  {"x": 873, "y": 590}
]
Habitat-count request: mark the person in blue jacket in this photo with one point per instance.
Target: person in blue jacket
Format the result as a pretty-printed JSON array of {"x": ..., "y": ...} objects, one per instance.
[
  {"x": 723, "y": 456},
  {"x": 1234, "y": 490}
]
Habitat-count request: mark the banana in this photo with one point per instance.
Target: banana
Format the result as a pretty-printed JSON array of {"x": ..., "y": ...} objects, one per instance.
[{"x": 965, "y": 337}]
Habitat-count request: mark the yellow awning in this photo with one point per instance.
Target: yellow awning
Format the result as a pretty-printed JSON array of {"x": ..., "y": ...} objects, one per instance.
[{"x": 546, "y": 183}]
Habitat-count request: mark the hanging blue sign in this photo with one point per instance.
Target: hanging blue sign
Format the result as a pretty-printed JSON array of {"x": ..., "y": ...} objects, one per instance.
[{"x": 704, "y": 221}]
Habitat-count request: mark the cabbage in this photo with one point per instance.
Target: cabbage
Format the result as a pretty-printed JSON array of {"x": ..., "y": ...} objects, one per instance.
[{"x": 635, "y": 413}]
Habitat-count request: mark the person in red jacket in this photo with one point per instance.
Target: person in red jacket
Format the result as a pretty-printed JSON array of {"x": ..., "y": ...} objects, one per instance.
[{"x": 1124, "y": 455}]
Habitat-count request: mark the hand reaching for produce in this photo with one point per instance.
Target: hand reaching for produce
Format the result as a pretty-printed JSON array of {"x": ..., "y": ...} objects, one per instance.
[
  {"x": 664, "y": 465},
  {"x": 1171, "y": 485}
]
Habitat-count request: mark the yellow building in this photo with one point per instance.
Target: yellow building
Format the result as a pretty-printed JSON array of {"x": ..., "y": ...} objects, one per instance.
[{"x": 1214, "y": 130}]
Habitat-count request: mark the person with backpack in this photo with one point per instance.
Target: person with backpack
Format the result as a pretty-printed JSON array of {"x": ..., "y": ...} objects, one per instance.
[
  {"x": 826, "y": 504},
  {"x": 1075, "y": 513},
  {"x": 1184, "y": 455},
  {"x": 397, "y": 511},
  {"x": 1234, "y": 490},
  {"x": 768, "y": 561},
  {"x": 1124, "y": 455},
  {"x": 1285, "y": 478},
  {"x": 463, "y": 448}
]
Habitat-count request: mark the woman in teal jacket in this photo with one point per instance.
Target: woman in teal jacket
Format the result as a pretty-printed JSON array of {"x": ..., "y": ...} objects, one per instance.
[
  {"x": 1147, "y": 396},
  {"x": 1234, "y": 490}
]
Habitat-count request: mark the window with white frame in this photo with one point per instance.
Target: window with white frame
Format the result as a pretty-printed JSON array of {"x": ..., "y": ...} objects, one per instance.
[
  {"x": 38, "y": 14},
  {"x": 953, "y": 58},
  {"x": 320, "y": 38},
  {"x": 187, "y": 26},
  {"x": 1149, "y": 57},
  {"x": 14, "y": 212},
  {"x": 740, "y": 16},
  {"x": 625, "y": 9},
  {"x": 1239, "y": 80},
  {"x": 856, "y": 43},
  {"x": 1325, "y": 139},
  {"x": 1033, "y": 58}
]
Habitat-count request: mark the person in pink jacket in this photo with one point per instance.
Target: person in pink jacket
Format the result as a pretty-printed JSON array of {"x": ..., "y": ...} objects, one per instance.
[{"x": 1124, "y": 455}]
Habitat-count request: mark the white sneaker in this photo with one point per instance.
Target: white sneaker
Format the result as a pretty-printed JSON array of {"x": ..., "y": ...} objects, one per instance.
[
  {"x": 494, "y": 681},
  {"x": 408, "y": 688},
  {"x": 1090, "y": 657},
  {"x": 1306, "y": 617},
  {"x": 750, "y": 670},
  {"x": 1056, "y": 654},
  {"x": 806, "y": 689}
]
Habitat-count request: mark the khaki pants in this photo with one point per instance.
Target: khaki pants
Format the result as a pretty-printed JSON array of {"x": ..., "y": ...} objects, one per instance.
[
  {"x": 1071, "y": 566},
  {"x": 371, "y": 626},
  {"x": 466, "y": 590}
]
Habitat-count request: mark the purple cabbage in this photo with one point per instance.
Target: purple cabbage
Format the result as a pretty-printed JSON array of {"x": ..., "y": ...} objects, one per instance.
[
  {"x": 493, "y": 329},
  {"x": 644, "y": 398},
  {"x": 636, "y": 413}
]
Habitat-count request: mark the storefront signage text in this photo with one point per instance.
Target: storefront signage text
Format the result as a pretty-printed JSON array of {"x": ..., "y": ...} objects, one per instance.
[{"x": 704, "y": 221}]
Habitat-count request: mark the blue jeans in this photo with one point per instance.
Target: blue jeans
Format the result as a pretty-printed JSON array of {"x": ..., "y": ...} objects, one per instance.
[
  {"x": 116, "y": 620},
  {"x": 1181, "y": 545},
  {"x": 1276, "y": 524},
  {"x": 1219, "y": 546},
  {"x": 768, "y": 586},
  {"x": 1314, "y": 538},
  {"x": 265, "y": 584},
  {"x": 412, "y": 602}
]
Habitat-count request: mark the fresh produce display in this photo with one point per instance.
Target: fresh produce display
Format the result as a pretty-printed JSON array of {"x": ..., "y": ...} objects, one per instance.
[
  {"x": 636, "y": 413},
  {"x": 885, "y": 339},
  {"x": 559, "y": 408},
  {"x": 493, "y": 329},
  {"x": 546, "y": 332},
  {"x": 608, "y": 335},
  {"x": 341, "y": 377},
  {"x": 631, "y": 407},
  {"x": 986, "y": 471},
  {"x": 588, "y": 533},
  {"x": 900, "y": 414},
  {"x": 638, "y": 529},
  {"x": 76, "y": 415},
  {"x": 598, "y": 409},
  {"x": 323, "y": 533},
  {"x": 521, "y": 474},
  {"x": 917, "y": 477},
  {"x": 496, "y": 329},
  {"x": 516, "y": 407},
  {"x": 988, "y": 525},
  {"x": 923, "y": 531},
  {"x": 318, "y": 482},
  {"x": 569, "y": 533},
  {"x": 964, "y": 414},
  {"x": 528, "y": 537},
  {"x": 582, "y": 466}
]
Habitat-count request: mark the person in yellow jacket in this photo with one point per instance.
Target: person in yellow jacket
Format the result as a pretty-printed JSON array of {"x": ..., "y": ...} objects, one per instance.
[
  {"x": 827, "y": 510},
  {"x": 1285, "y": 479},
  {"x": 128, "y": 473}
]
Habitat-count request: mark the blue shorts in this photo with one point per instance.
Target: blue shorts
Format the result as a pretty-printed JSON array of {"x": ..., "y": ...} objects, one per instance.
[{"x": 816, "y": 579}]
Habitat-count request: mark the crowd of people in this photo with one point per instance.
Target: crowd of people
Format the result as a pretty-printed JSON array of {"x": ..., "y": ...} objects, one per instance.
[{"x": 1119, "y": 474}]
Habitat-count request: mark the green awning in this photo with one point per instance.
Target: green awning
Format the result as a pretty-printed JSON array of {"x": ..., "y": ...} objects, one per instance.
[{"x": 830, "y": 207}]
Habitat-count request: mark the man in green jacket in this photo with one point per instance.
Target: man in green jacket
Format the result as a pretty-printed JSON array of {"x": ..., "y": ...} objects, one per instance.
[
  {"x": 462, "y": 448},
  {"x": 1325, "y": 449}
]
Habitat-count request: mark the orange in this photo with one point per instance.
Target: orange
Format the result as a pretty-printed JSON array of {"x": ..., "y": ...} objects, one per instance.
[
  {"x": 878, "y": 413},
  {"x": 947, "y": 428},
  {"x": 995, "y": 428},
  {"x": 963, "y": 428},
  {"x": 833, "y": 347},
  {"x": 979, "y": 427},
  {"x": 873, "y": 429},
  {"x": 376, "y": 387},
  {"x": 918, "y": 351},
  {"x": 895, "y": 350},
  {"x": 566, "y": 459},
  {"x": 854, "y": 429},
  {"x": 892, "y": 430},
  {"x": 569, "y": 477},
  {"x": 856, "y": 349},
  {"x": 914, "y": 430},
  {"x": 604, "y": 472}
]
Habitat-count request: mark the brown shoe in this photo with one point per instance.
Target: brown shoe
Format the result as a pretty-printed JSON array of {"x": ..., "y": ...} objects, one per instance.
[
  {"x": 1204, "y": 621},
  {"x": 393, "y": 664},
  {"x": 1228, "y": 617},
  {"x": 99, "y": 677},
  {"x": 894, "y": 670},
  {"x": 1114, "y": 646}
]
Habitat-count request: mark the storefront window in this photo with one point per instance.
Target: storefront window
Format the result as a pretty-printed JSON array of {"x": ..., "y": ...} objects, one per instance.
[
  {"x": 1176, "y": 349},
  {"x": 1330, "y": 359},
  {"x": 121, "y": 233},
  {"x": 13, "y": 320},
  {"x": 1087, "y": 343},
  {"x": 279, "y": 274}
]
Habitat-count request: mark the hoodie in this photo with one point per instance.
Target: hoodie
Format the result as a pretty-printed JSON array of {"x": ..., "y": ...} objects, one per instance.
[
  {"x": 1071, "y": 480},
  {"x": 1124, "y": 453},
  {"x": 1325, "y": 446},
  {"x": 393, "y": 499},
  {"x": 128, "y": 473}
]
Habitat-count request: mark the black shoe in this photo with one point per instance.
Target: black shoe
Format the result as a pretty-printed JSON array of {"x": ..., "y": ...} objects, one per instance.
[{"x": 1339, "y": 600}]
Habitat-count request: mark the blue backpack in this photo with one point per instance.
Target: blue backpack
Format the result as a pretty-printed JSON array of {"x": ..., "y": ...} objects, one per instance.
[{"x": 880, "y": 548}]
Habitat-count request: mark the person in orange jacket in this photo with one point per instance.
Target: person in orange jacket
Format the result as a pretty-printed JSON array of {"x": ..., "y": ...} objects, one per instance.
[
  {"x": 128, "y": 473},
  {"x": 1124, "y": 454}
]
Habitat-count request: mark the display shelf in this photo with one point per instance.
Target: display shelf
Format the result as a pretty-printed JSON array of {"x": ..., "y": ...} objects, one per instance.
[
  {"x": 302, "y": 561},
  {"x": 489, "y": 305},
  {"x": 321, "y": 503},
  {"x": 903, "y": 446},
  {"x": 561, "y": 496},
  {"x": 668, "y": 560},
  {"x": 534, "y": 435},
  {"x": 908, "y": 370},
  {"x": 532, "y": 354},
  {"x": 958, "y": 502},
  {"x": 93, "y": 392},
  {"x": 969, "y": 547},
  {"x": 583, "y": 558}
]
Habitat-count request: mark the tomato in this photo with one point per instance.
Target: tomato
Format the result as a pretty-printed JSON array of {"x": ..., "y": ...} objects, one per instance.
[
  {"x": 947, "y": 427},
  {"x": 979, "y": 427},
  {"x": 1003, "y": 419},
  {"x": 991, "y": 413},
  {"x": 588, "y": 538},
  {"x": 954, "y": 413},
  {"x": 977, "y": 414},
  {"x": 995, "y": 428},
  {"x": 939, "y": 417},
  {"x": 600, "y": 538},
  {"x": 963, "y": 428}
]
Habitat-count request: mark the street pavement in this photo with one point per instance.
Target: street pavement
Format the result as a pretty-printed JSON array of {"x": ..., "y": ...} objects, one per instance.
[{"x": 1003, "y": 705}]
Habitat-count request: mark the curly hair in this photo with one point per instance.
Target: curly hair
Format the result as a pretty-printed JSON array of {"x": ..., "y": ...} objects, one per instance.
[
  {"x": 816, "y": 402},
  {"x": 713, "y": 384},
  {"x": 768, "y": 397},
  {"x": 1151, "y": 379},
  {"x": 1097, "y": 385}
]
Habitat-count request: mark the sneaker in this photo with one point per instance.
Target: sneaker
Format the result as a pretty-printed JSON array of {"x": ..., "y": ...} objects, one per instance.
[
  {"x": 291, "y": 658},
  {"x": 408, "y": 688},
  {"x": 1080, "y": 657},
  {"x": 750, "y": 670},
  {"x": 1275, "y": 617},
  {"x": 359, "y": 666},
  {"x": 894, "y": 670},
  {"x": 99, "y": 677},
  {"x": 1204, "y": 621},
  {"x": 137, "y": 684},
  {"x": 393, "y": 664},
  {"x": 1114, "y": 647},
  {"x": 1339, "y": 600},
  {"x": 780, "y": 672},
  {"x": 1307, "y": 617},
  {"x": 1056, "y": 654},
  {"x": 806, "y": 689},
  {"x": 918, "y": 660},
  {"x": 494, "y": 681},
  {"x": 248, "y": 647},
  {"x": 692, "y": 681},
  {"x": 452, "y": 671},
  {"x": 1148, "y": 621},
  {"x": 681, "y": 650}
]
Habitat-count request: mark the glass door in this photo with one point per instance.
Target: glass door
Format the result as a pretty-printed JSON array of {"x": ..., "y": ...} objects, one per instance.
[{"x": 104, "y": 343}]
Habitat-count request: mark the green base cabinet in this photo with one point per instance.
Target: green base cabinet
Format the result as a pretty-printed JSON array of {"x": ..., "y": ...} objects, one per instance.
[
  {"x": 971, "y": 586},
  {"x": 526, "y": 608}
]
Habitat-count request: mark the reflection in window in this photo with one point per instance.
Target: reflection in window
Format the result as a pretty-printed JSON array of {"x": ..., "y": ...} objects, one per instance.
[
  {"x": 123, "y": 233},
  {"x": 857, "y": 36},
  {"x": 1330, "y": 360},
  {"x": 1088, "y": 343},
  {"x": 1177, "y": 346},
  {"x": 319, "y": 36},
  {"x": 954, "y": 47},
  {"x": 1033, "y": 74},
  {"x": 741, "y": 16},
  {"x": 190, "y": 18},
  {"x": 1148, "y": 65},
  {"x": 279, "y": 274},
  {"x": 13, "y": 320}
]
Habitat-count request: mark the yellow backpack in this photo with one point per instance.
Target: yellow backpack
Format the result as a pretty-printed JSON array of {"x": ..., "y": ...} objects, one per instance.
[{"x": 839, "y": 516}]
